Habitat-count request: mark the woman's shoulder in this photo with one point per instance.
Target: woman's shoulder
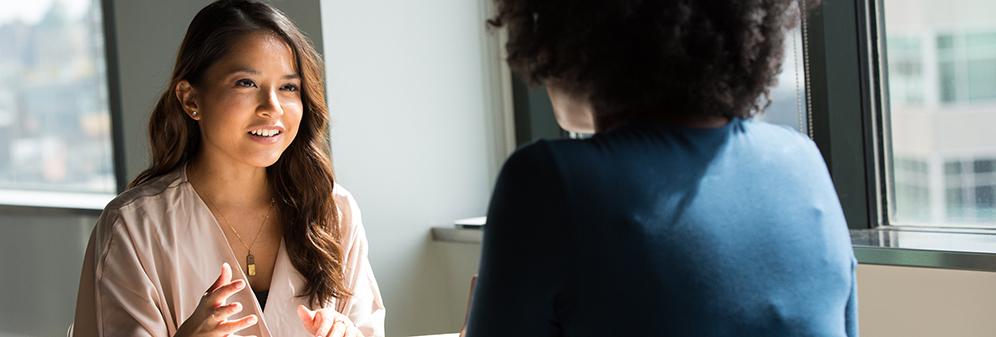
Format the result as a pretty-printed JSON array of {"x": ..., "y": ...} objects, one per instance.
[
  {"x": 538, "y": 172},
  {"x": 137, "y": 212},
  {"x": 537, "y": 158},
  {"x": 349, "y": 213},
  {"x": 792, "y": 144},
  {"x": 152, "y": 188},
  {"x": 149, "y": 200},
  {"x": 776, "y": 132}
]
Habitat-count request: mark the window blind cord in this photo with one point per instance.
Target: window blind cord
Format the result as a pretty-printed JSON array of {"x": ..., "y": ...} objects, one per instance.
[
  {"x": 805, "y": 58},
  {"x": 798, "y": 90}
]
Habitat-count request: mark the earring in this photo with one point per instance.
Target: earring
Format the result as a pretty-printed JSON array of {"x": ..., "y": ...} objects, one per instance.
[{"x": 193, "y": 114}]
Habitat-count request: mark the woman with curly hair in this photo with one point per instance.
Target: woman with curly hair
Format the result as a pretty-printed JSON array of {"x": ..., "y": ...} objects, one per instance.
[
  {"x": 681, "y": 216},
  {"x": 238, "y": 225}
]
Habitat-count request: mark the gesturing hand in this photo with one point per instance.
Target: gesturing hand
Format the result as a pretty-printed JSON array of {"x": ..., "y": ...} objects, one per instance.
[
  {"x": 211, "y": 316},
  {"x": 327, "y": 323}
]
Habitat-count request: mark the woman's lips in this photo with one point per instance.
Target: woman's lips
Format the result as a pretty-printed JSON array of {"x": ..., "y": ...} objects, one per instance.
[{"x": 255, "y": 136}]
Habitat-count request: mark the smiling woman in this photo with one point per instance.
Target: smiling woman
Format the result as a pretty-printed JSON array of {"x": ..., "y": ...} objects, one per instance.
[
  {"x": 249, "y": 104},
  {"x": 239, "y": 137}
]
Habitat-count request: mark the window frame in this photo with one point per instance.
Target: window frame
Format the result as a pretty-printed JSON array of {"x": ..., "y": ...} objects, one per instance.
[
  {"x": 849, "y": 110},
  {"x": 114, "y": 94}
]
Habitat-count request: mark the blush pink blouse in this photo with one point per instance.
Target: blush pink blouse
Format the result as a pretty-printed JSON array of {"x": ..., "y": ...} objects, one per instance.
[{"x": 156, "y": 249}]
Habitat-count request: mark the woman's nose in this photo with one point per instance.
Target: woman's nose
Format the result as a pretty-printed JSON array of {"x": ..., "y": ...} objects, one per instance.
[{"x": 270, "y": 104}]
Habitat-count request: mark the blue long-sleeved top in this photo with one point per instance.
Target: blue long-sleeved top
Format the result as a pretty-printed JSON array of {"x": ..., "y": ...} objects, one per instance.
[{"x": 657, "y": 230}]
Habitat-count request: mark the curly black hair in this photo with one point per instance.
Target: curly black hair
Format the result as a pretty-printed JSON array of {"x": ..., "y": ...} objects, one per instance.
[{"x": 632, "y": 57}]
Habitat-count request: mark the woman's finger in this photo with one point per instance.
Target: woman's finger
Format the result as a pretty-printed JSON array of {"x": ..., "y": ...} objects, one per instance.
[
  {"x": 224, "y": 278},
  {"x": 352, "y": 331},
  {"x": 228, "y": 327},
  {"x": 224, "y": 312},
  {"x": 338, "y": 330},
  {"x": 222, "y": 294},
  {"x": 343, "y": 318},
  {"x": 323, "y": 323},
  {"x": 307, "y": 317}
]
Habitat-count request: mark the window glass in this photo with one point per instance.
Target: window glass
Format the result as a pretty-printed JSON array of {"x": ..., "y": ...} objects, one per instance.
[
  {"x": 788, "y": 97},
  {"x": 941, "y": 70},
  {"x": 54, "y": 120}
]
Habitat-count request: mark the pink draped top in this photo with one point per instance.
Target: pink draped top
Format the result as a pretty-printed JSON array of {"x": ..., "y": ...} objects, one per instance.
[{"x": 156, "y": 249}]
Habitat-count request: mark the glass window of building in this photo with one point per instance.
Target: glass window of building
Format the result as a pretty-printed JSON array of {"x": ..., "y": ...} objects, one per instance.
[
  {"x": 941, "y": 69},
  {"x": 55, "y": 129}
]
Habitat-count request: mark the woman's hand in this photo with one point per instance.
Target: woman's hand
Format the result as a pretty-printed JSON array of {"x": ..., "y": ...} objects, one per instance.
[
  {"x": 327, "y": 323},
  {"x": 211, "y": 316}
]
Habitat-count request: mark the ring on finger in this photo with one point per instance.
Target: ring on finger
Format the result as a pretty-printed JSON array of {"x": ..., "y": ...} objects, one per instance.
[{"x": 214, "y": 315}]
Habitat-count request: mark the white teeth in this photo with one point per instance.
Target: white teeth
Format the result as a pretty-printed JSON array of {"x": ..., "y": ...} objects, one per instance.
[{"x": 264, "y": 133}]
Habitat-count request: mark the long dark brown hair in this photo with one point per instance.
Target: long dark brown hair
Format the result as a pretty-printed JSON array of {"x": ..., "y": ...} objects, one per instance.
[{"x": 302, "y": 179}]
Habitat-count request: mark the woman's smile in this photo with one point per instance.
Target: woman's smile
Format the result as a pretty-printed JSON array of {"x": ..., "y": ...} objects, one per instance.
[
  {"x": 267, "y": 135},
  {"x": 250, "y": 104}
]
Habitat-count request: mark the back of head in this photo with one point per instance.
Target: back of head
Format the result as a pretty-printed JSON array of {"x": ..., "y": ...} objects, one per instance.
[{"x": 633, "y": 57}]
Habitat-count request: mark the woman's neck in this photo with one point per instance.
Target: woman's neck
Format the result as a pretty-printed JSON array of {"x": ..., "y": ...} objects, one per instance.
[
  {"x": 229, "y": 185},
  {"x": 697, "y": 122}
]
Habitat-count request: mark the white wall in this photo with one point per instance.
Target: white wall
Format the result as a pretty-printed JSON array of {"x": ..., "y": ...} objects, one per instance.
[{"x": 413, "y": 141}]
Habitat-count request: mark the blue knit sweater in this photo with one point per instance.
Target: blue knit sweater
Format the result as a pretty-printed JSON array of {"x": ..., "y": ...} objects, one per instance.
[{"x": 657, "y": 230}]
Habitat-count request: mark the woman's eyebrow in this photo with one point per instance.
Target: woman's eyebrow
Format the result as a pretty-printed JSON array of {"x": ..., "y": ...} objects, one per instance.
[
  {"x": 251, "y": 71},
  {"x": 255, "y": 72}
]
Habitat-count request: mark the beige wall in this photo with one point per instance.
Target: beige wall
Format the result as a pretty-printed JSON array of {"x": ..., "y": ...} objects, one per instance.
[
  {"x": 904, "y": 301},
  {"x": 892, "y": 301}
]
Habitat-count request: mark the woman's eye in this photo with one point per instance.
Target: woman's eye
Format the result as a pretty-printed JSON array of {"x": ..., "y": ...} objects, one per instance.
[
  {"x": 289, "y": 87},
  {"x": 245, "y": 83}
]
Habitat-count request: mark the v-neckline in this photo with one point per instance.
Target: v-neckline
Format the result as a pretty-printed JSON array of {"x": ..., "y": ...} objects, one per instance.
[{"x": 258, "y": 309}]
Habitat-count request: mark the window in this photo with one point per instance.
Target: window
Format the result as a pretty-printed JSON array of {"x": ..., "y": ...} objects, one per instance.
[
  {"x": 912, "y": 188},
  {"x": 55, "y": 126},
  {"x": 941, "y": 70},
  {"x": 788, "y": 98}
]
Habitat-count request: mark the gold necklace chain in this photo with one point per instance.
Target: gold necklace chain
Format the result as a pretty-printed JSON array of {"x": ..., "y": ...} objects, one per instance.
[{"x": 250, "y": 259}]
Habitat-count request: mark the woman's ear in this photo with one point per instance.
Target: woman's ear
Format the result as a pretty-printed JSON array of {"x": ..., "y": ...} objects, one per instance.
[{"x": 188, "y": 99}]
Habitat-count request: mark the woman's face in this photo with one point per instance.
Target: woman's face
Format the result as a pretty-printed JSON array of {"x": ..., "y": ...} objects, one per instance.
[{"x": 249, "y": 106}]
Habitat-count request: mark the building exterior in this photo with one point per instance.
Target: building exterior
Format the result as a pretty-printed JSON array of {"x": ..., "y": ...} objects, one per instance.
[
  {"x": 942, "y": 97},
  {"x": 53, "y": 104}
]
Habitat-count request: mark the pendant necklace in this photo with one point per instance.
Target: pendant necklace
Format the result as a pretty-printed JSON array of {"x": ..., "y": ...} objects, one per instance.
[{"x": 250, "y": 260}]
